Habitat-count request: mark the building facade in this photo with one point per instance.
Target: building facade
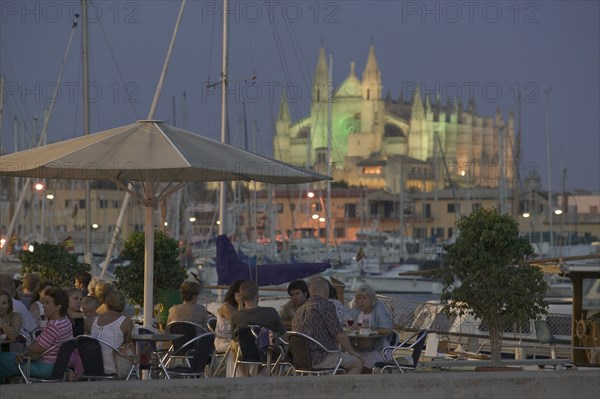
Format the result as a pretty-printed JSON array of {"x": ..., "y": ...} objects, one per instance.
[{"x": 375, "y": 141}]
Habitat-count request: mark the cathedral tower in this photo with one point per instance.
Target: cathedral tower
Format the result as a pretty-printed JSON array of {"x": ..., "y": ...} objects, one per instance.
[{"x": 320, "y": 97}]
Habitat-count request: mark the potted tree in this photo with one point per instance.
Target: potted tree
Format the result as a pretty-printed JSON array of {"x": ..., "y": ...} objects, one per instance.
[
  {"x": 52, "y": 262},
  {"x": 168, "y": 272},
  {"x": 485, "y": 275}
]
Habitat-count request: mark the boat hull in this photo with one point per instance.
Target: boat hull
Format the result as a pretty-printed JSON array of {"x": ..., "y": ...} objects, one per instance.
[{"x": 403, "y": 284}]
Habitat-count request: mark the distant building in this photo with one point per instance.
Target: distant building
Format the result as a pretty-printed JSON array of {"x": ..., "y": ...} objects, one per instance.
[{"x": 375, "y": 141}]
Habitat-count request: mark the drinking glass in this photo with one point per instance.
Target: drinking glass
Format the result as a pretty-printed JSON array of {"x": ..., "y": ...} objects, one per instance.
[{"x": 350, "y": 322}]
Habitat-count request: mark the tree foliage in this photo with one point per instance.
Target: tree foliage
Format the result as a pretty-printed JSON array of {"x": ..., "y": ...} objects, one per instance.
[
  {"x": 52, "y": 262},
  {"x": 168, "y": 272},
  {"x": 485, "y": 274}
]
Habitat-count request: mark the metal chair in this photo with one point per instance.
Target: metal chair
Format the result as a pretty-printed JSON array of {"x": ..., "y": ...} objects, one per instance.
[
  {"x": 544, "y": 336},
  {"x": 198, "y": 353},
  {"x": 59, "y": 371},
  {"x": 404, "y": 356},
  {"x": 90, "y": 350},
  {"x": 253, "y": 349},
  {"x": 189, "y": 331},
  {"x": 212, "y": 324},
  {"x": 150, "y": 360},
  {"x": 301, "y": 346}
]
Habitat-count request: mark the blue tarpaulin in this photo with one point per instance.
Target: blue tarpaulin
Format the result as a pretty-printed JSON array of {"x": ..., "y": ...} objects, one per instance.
[{"x": 231, "y": 268}]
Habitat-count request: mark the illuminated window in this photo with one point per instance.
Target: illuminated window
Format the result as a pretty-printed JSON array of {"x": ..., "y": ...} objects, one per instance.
[{"x": 372, "y": 170}]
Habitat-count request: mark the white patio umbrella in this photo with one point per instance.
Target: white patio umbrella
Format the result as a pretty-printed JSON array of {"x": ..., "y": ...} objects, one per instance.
[{"x": 150, "y": 152}]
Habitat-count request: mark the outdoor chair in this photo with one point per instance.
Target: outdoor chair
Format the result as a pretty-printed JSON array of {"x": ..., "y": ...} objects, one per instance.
[
  {"x": 403, "y": 356},
  {"x": 90, "y": 350},
  {"x": 212, "y": 324},
  {"x": 198, "y": 352},
  {"x": 545, "y": 337},
  {"x": 253, "y": 349},
  {"x": 59, "y": 371},
  {"x": 189, "y": 331},
  {"x": 300, "y": 346},
  {"x": 149, "y": 362}
]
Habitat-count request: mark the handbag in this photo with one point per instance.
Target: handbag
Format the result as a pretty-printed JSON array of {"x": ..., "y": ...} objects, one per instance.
[{"x": 124, "y": 359}]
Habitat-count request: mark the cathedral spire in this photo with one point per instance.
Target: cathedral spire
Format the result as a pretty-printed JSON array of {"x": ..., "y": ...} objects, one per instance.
[
  {"x": 284, "y": 111},
  {"x": 321, "y": 78},
  {"x": 417, "y": 106},
  {"x": 371, "y": 77}
]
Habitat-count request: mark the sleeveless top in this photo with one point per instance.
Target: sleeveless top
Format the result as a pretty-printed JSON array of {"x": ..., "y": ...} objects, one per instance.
[
  {"x": 111, "y": 334},
  {"x": 223, "y": 333}
]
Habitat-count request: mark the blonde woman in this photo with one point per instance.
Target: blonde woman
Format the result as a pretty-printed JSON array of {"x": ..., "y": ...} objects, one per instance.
[
  {"x": 369, "y": 311},
  {"x": 114, "y": 328}
]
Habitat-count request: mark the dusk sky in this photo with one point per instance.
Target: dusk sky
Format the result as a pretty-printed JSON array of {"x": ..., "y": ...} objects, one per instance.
[{"x": 487, "y": 49}]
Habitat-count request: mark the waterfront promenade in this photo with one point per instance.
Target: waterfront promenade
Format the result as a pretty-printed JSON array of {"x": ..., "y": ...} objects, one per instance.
[{"x": 572, "y": 384}]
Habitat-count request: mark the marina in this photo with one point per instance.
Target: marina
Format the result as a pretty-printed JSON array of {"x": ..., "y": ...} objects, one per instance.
[{"x": 288, "y": 163}]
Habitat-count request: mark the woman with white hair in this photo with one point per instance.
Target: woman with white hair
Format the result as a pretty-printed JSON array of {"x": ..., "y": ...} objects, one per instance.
[
  {"x": 113, "y": 327},
  {"x": 369, "y": 311}
]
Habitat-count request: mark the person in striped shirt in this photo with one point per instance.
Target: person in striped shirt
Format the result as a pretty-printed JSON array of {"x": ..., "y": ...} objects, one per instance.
[{"x": 57, "y": 331}]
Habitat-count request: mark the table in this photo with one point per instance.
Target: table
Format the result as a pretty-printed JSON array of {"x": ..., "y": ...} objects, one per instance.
[
  {"x": 364, "y": 342},
  {"x": 155, "y": 338}
]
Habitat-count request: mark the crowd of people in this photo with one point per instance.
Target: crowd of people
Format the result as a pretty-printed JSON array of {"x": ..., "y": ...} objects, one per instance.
[
  {"x": 36, "y": 316},
  {"x": 313, "y": 309}
]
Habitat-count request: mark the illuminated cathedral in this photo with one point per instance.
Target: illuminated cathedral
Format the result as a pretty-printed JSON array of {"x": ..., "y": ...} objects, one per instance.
[{"x": 395, "y": 144}]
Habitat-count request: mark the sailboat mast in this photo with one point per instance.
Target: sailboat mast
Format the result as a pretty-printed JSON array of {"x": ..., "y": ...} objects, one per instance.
[
  {"x": 548, "y": 171},
  {"x": 86, "y": 126},
  {"x": 517, "y": 177},
  {"x": 329, "y": 138},
  {"x": 224, "y": 71}
]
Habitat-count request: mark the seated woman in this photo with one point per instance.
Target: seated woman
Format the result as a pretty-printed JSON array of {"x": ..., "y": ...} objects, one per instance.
[
  {"x": 89, "y": 306},
  {"x": 114, "y": 328},
  {"x": 223, "y": 329},
  {"x": 74, "y": 311},
  {"x": 57, "y": 330},
  {"x": 369, "y": 311},
  {"x": 10, "y": 323},
  {"x": 37, "y": 306},
  {"x": 340, "y": 309},
  {"x": 189, "y": 310}
]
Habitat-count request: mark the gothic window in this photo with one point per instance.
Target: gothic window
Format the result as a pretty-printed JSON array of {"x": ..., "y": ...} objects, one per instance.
[
  {"x": 322, "y": 157},
  {"x": 368, "y": 94}
]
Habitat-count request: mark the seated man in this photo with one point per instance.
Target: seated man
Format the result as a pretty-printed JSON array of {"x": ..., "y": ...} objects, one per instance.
[
  {"x": 189, "y": 310},
  {"x": 298, "y": 291},
  {"x": 317, "y": 318},
  {"x": 252, "y": 314}
]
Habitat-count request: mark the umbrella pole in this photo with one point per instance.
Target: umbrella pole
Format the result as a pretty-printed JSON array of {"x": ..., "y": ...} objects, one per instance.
[{"x": 149, "y": 255}]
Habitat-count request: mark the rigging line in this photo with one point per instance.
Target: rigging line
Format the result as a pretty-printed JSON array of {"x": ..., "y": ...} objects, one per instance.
[
  {"x": 112, "y": 55},
  {"x": 209, "y": 71},
  {"x": 304, "y": 70},
  {"x": 166, "y": 63},
  {"x": 27, "y": 183},
  {"x": 12, "y": 70},
  {"x": 285, "y": 69},
  {"x": 251, "y": 47}
]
